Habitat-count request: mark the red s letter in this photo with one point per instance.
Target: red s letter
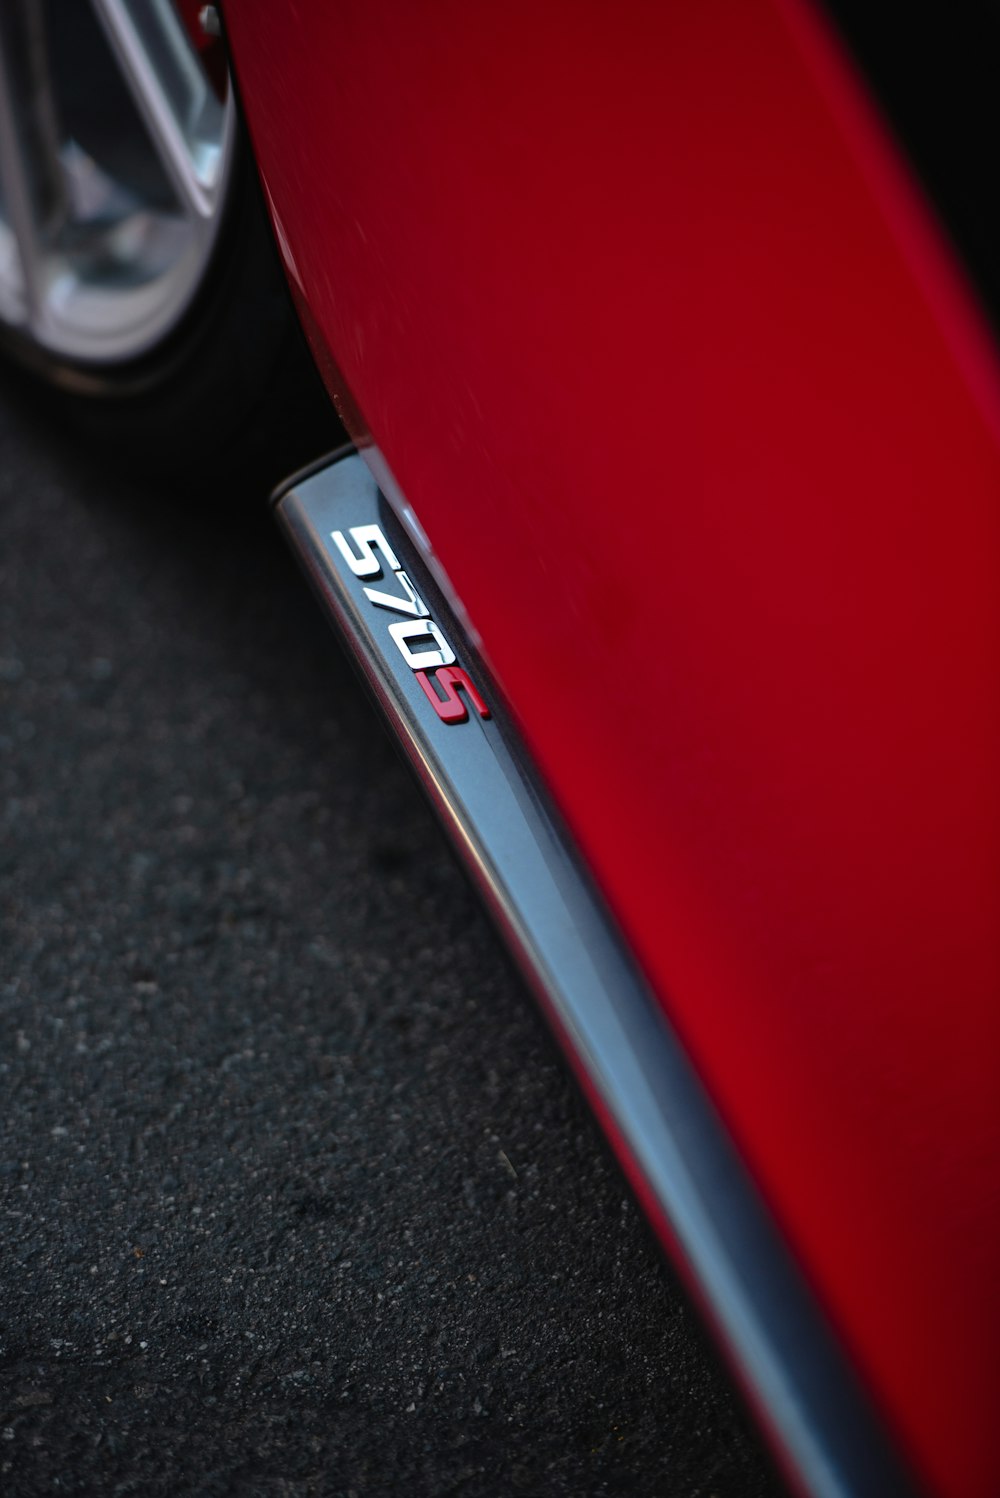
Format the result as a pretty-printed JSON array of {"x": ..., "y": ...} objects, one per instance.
[{"x": 451, "y": 708}]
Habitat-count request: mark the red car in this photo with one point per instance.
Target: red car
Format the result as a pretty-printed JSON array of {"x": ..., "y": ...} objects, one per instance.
[{"x": 668, "y": 542}]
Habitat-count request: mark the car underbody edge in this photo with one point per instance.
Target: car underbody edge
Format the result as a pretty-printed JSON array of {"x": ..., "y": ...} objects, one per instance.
[{"x": 444, "y": 710}]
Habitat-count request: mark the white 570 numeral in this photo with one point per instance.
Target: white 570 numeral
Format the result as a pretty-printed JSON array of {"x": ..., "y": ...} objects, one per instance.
[{"x": 363, "y": 562}]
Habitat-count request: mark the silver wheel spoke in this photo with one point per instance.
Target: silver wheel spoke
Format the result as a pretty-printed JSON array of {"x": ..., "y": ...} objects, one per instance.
[
  {"x": 28, "y": 169},
  {"x": 129, "y": 40}
]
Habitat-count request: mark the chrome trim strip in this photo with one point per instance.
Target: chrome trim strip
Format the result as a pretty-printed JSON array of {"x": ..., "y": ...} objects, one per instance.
[{"x": 480, "y": 782}]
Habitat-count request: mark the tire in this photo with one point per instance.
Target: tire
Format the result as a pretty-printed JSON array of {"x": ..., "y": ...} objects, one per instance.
[{"x": 227, "y": 397}]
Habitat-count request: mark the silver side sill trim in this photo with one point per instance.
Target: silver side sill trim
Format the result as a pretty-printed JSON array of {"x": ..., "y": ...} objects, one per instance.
[{"x": 479, "y": 780}]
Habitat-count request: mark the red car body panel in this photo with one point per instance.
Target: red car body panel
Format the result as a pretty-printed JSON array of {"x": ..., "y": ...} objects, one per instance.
[{"x": 661, "y": 343}]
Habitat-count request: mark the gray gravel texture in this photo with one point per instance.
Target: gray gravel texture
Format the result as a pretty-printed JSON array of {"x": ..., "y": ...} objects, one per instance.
[{"x": 297, "y": 1196}]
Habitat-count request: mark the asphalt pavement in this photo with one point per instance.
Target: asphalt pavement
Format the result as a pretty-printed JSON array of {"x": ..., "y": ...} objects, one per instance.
[{"x": 296, "y": 1194}]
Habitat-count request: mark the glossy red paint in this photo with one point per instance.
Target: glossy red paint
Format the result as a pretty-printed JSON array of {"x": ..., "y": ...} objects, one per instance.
[{"x": 644, "y": 314}]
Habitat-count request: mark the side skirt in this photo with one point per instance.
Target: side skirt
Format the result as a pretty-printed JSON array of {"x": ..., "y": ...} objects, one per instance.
[{"x": 377, "y": 587}]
